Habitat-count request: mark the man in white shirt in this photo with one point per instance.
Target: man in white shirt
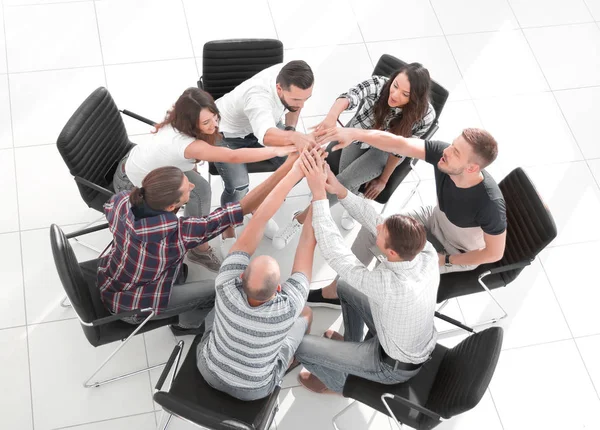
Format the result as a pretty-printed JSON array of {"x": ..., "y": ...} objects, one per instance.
[
  {"x": 250, "y": 115},
  {"x": 396, "y": 300}
]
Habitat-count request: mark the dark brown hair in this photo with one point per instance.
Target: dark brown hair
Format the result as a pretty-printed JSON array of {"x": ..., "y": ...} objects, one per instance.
[
  {"x": 297, "y": 73},
  {"x": 483, "y": 144},
  {"x": 414, "y": 110},
  {"x": 184, "y": 115},
  {"x": 406, "y": 236},
  {"x": 160, "y": 189}
]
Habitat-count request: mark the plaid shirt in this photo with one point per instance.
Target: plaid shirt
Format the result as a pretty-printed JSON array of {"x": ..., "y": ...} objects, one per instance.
[
  {"x": 147, "y": 253},
  {"x": 368, "y": 93}
]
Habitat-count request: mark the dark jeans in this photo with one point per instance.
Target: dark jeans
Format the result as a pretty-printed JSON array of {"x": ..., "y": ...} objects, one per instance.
[{"x": 235, "y": 176}]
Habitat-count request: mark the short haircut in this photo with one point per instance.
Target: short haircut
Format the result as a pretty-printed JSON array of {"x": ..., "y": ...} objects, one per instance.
[
  {"x": 263, "y": 292},
  {"x": 406, "y": 236},
  {"x": 483, "y": 144},
  {"x": 297, "y": 73}
]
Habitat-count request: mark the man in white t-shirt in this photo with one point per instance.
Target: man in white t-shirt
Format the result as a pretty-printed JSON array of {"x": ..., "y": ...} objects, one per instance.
[{"x": 250, "y": 115}]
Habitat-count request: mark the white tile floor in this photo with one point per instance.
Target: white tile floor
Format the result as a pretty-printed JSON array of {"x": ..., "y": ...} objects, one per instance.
[{"x": 528, "y": 70}]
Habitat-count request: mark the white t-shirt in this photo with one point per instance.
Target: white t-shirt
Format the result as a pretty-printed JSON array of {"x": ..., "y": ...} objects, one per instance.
[
  {"x": 253, "y": 106},
  {"x": 167, "y": 148}
]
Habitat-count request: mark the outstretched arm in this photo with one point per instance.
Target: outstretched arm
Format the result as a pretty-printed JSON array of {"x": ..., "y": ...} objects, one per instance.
[
  {"x": 201, "y": 150},
  {"x": 253, "y": 233},
  {"x": 305, "y": 253}
]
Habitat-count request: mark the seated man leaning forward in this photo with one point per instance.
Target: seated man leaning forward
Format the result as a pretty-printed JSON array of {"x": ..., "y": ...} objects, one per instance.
[
  {"x": 396, "y": 300},
  {"x": 141, "y": 267},
  {"x": 468, "y": 225},
  {"x": 257, "y": 324}
]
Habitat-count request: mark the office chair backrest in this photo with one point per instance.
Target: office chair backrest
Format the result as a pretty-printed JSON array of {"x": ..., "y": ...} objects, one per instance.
[
  {"x": 464, "y": 374},
  {"x": 228, "y": 63},
  {"x": 387, "y": 64},
  {"x": 531, "y": 226},
  {"x": 93, "y": 142},
  {"x": 71, "y": 276}
]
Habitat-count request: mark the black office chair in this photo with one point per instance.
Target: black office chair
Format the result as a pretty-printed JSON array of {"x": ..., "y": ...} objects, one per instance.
[
  {"x": 99, "y": 325},
  {"x": 228, "y": 63},
  {"x": 530, "y": 229},
  {"x": 190, "y": 398},
  {"x": 386, "y": 65},
  {"x": 451, "y": 383}
]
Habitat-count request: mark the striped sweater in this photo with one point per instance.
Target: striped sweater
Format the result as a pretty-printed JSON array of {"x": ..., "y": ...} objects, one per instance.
[{"x": 244, "y": 342}]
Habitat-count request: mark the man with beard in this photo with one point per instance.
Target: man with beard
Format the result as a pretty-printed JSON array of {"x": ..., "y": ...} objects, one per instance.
[
  {"x": 251, "y": 118},
  {"x": 467, "y": 226}
]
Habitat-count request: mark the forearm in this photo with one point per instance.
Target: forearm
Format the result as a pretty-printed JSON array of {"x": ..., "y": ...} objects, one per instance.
[
  {"x": 338, "y": 107},
  {"x": 277, "y": 137},
  {"x": 383, "y": 140},
  {"x": 474, "y": 258},
  {"x": 251, "y": 155},
  {"x": 256, "y": 196},
  {"x": 305, "y": 252},
  {"x": 390, "y": 166},
  {"x": 291, "y": 118}
]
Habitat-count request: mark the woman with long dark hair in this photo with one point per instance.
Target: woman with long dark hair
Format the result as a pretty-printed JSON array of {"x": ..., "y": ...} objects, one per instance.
[
  {"x": 398, "y": 104},
  {"x": 188, "y": 135}
]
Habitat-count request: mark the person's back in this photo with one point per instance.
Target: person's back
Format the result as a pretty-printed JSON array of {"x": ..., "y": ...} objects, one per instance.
[{"x": 245, "y": 340}]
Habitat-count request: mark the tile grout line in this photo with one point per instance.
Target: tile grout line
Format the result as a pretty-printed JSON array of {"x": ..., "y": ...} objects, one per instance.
[
  {"x": 104, "y": 421},
  {"x": 496, "y": 408},
  {"x": 18, "y": 218},
  {"x": 273, "y": 20},
  {"x": 187, "y": 25},
  {"x": 33, "y": 324},
  {"x": 100, "y": 43},
  {"x": 361, "y": 34},
  {"x": 149, "y": 377},
  {"x": 569, "y": 327}
]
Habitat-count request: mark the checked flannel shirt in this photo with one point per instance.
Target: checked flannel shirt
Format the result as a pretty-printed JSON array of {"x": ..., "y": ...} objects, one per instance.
[
  {"x": 368, "y": 93},
  {"x": 146, "y": 254}
]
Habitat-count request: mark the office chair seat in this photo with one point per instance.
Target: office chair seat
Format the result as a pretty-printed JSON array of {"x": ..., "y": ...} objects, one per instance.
[{"x": 191, "y": 398}]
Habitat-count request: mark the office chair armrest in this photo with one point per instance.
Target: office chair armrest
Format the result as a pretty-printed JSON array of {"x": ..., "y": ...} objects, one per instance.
[
  {"x": 408, "y": 403},
  {"x": 87, "y": 230},
  {"x": 432, "y": 129},
  {"x": 453, "y": 322},
  {"x": 175, "y": 354},
  {"x": 138, "y": 117},
  {"x": 121, "y": 315},
  {"x": 93, "y": 186},
  {"x": 506, "y": 268}
]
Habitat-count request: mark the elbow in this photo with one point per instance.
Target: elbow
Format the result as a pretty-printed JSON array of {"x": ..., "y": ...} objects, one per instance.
[{"x": 495, "y": 256}]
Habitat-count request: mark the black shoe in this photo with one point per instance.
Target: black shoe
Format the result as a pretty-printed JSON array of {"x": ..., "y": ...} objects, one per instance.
[
  {"x": 316, "y": 300},
  {"x": 180, "y": 331}
]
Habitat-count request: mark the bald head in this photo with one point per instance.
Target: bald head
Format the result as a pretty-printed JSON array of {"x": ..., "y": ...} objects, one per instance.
[{"x": 261, "y": 278}]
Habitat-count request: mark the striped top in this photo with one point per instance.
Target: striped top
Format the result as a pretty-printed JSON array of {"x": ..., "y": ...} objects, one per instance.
[{"x": 244, "y": 341}]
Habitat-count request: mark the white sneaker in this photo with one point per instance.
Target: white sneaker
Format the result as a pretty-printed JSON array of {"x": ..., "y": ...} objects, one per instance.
[
  {"x": 347, "y": 221},
  {"x": 226, "y": 245},
  {"x": 286, "y": 234},
  {"x": 270, "y": 229}
]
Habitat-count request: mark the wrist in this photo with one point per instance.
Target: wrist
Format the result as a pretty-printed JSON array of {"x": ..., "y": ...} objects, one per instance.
[
  {"x": 319, "y": 195},
  {"x": 342, "y": 193}
]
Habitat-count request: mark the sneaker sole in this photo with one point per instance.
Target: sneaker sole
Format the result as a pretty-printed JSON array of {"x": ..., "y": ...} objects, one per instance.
[{"x": 323, "y": 305}]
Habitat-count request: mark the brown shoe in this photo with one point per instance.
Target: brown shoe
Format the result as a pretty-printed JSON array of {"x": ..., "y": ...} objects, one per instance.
[
  {"x": 312, "y": 383},
  {"x": 332, "y": 334},
  {"x": 208, "y": 258}
]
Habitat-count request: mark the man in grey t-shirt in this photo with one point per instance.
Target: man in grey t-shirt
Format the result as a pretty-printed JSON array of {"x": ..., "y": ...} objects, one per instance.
[{"x": 257, "y": 324}]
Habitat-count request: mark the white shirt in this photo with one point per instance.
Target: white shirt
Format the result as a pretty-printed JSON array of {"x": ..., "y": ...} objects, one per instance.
[
  {"x": 167, "y": 148},
  {"x": 402, "y": 295},
  {"x": 252, "y": 107}
]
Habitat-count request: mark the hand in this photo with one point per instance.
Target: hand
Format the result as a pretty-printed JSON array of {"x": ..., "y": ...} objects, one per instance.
[
  {"x": 343, "y": 136},
  {"x": 327, "y": 123},
  {"x": 282, "y": 151},
  {"x": 333, "y": 185},
  {"x": 303, "y": 141},
  {"x": 442, "y": 259},
  {"x": 374, "y": 187},
  {"x": 312, "y": 167}
]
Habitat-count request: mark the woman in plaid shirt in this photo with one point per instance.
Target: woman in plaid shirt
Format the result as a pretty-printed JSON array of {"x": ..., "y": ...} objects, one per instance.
[{"x": 398, "y": 104}]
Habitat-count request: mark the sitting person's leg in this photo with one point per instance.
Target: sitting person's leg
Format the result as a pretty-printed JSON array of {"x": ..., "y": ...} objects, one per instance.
[
  {"x": 120, "y": 180},
  {"x": 199, "y": 294},
  {"x": 285, "y": 358},
  {"x": 356, "y": 312},
  {"x": 199, "y": 206}
]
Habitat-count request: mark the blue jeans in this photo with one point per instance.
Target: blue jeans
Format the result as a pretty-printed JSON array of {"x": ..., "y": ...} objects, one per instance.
[
  {"x": 235, "y": 176},
  {"x": 332, "y": 360}
]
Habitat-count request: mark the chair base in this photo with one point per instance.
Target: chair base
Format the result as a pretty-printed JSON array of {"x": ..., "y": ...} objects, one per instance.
[
  {"x": 87, "y": 245},
  {"x": 412, "y": 191},
  {"x": 347, "y": 408}
]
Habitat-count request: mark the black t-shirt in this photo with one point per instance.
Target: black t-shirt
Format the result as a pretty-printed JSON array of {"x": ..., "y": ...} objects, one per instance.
[{"x": 479, "y": 206}]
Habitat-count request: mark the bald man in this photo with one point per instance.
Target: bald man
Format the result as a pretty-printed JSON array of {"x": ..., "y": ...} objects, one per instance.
[{"x": 257, "y": 324}]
